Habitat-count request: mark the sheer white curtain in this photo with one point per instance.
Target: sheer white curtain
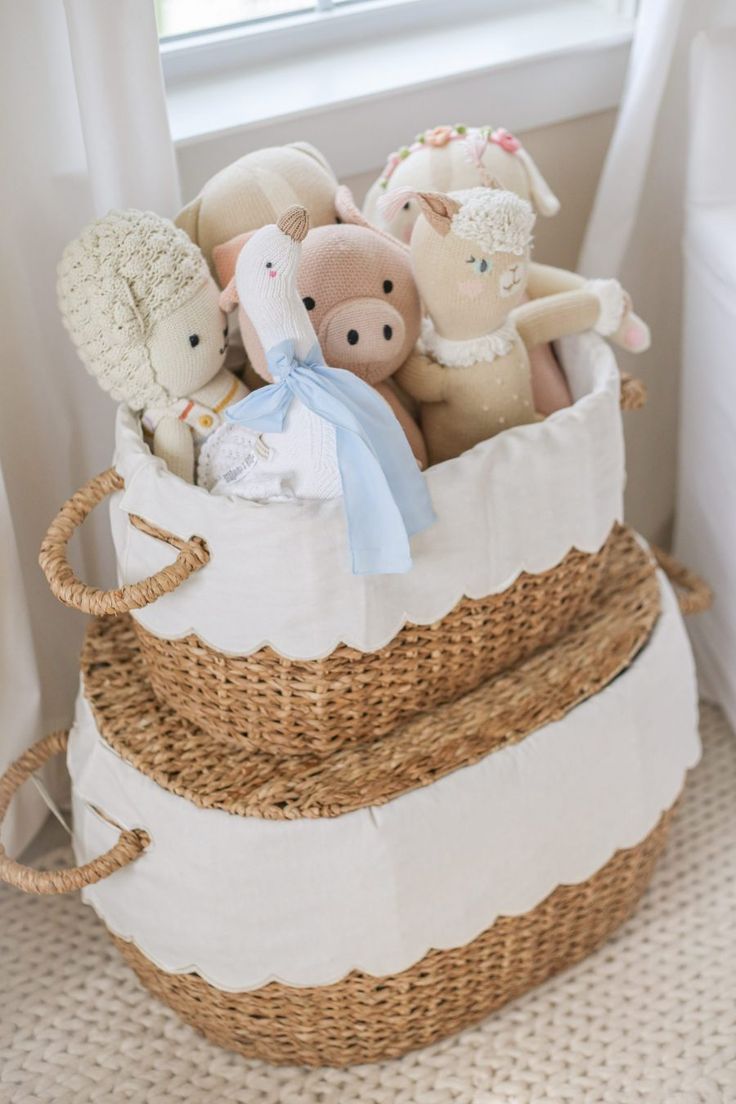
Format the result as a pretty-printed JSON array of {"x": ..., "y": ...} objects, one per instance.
[
  {"x": 83, "y": 128},
  {"x": 636, "y": 232}
]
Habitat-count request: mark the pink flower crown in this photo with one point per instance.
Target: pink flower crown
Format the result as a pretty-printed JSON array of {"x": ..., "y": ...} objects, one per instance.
[{"x": 476, "y": 139}]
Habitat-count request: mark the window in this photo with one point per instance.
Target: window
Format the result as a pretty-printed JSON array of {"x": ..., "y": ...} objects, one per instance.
[{"x": 186, "y": 17}]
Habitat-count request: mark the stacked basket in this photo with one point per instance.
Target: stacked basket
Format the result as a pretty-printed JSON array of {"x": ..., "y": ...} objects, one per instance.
[{"x": 340, "y": 817}]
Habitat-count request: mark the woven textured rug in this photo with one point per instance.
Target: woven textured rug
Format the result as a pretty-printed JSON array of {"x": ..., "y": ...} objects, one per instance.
[{"x": 649, "y": 1019}]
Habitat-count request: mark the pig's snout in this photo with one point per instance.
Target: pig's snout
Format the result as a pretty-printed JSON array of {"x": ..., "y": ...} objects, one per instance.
[{"x": 362, "y": 332}]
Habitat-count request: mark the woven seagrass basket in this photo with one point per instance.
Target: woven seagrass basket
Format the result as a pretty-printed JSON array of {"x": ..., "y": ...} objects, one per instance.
[
  {"x": 364, "y": 1017},
  {"x": 264, "y": 700}
]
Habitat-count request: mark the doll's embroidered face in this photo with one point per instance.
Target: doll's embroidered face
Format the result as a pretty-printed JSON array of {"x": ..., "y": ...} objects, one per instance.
[
  {"x": 470, "y": 254},
  {"x": 187, "y": 347}
]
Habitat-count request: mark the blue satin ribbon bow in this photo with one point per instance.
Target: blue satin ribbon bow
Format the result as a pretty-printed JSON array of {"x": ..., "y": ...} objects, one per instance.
[{"x": 385, "y": 495}]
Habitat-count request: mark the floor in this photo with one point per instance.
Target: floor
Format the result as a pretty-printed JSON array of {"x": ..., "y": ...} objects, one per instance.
[{"x": 649, "y": 1019}]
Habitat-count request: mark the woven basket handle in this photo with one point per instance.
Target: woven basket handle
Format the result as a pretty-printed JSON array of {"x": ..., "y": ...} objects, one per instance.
[
  {"x": 693, "y": 593},
  {"x": 193, "y": 554},
  {"x": 130, "y": 845}
]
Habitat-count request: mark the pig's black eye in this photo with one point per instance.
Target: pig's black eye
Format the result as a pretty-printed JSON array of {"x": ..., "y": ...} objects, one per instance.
[
  {"x": 269, "y": 264},
  {"x": 406, "y": 206},
  {"x": 388, "y": 286},
  {"x": 308, "y": 302},
  {"x": 194, "y": 340}
]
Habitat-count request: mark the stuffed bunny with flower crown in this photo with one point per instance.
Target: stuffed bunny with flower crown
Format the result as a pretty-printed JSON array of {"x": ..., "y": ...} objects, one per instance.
[
  {"x": 322, "y": 432},
  {"x": 139, "y": 303}
]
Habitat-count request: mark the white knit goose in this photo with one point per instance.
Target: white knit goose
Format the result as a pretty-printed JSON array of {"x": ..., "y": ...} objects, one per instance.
[{"x": 323, "y": 432}]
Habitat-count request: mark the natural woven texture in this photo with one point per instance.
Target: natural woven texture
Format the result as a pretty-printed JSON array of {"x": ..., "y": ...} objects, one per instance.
[
  {"x": 366, "y": 1019},
  {"x": 266, "y": 702},
  {"x": 128, "y": 847},
  {"x": 649, "y": 1019},
  {"x": 189, "y": 762},
  {"x": 53, "y": 557}
]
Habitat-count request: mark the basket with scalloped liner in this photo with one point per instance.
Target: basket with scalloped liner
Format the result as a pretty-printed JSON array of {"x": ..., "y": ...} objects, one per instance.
[
  {"x": 367, "y": 1016},
  {"x": 305, "y": 692}
]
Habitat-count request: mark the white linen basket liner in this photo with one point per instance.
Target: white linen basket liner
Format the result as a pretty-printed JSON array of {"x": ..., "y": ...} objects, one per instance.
[
  {"x": 279, "y": 572},
  {"x": 244, "y": 901}
]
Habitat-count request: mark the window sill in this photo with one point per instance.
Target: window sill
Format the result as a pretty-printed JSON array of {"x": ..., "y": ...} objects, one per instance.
[{"x": 525, "y": 69}]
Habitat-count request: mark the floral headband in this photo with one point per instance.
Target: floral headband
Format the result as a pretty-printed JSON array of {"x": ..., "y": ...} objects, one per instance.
[{"x": 476, "y": 138}]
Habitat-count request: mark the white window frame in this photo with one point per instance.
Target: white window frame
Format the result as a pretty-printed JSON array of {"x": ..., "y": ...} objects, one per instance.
[
  {"x": 324, "y": 26},
  {"x": 363, "y": 78}
]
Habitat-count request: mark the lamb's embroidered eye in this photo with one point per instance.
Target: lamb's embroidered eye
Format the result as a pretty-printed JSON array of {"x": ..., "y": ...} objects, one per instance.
[
  {"x": 406, "y": 206},
  {"x": 388, "y": 286},
  {"x": 194, "y": 340},
  {"x": 269, "y": 264},
  {"x": 308, "y": 302},
  {"x": 480, "y": 264}
]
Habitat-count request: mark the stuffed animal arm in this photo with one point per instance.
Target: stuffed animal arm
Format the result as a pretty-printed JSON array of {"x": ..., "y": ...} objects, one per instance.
[
  {"x": 632, "y": 332},
  {"x": 555, "y": 316},
  {"x": 422, "y": 378},
  {"x": 174, "y": 444}
]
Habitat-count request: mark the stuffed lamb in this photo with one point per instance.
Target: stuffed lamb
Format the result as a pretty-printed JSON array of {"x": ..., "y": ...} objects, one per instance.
[
  {"x": 472, "y": 376},
  {"x": 138, "y": 301},
  {"x": 322, "y": 432}
]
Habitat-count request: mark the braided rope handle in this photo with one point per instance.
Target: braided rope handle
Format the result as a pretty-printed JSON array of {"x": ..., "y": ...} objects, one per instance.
[
  {"x": 53, "y": 557},
  {"x": 693, "y": 593},
  {"x": 129, "y": 846},
  {"x": 633, "y": 392}
]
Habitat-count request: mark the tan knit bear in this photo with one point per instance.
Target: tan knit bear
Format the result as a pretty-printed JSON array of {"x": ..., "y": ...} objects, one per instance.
[
  {"x": 139, "y": 303},
  {"x": 470, "y": 255}
]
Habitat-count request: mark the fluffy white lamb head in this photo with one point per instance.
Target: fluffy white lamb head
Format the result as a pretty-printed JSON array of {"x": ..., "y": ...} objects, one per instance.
[{"x": 470, "y": 254}]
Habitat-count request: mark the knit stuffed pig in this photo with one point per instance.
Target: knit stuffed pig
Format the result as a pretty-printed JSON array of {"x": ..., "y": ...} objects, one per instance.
[{"x": 358, "y": 287}]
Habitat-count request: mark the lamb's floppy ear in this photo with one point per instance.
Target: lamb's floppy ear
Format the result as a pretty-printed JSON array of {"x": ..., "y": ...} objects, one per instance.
[
  {"x": 438, "y": 209},
  {"x": 229, "y": 297},
  {"x": 543, "y": 198},
  {"x": 225, "y": 256},
  {"x": 188, "y": 219}
]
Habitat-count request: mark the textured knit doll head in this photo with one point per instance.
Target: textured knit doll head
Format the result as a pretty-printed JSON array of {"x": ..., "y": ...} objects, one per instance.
[
  {"x": 470, "y": 255},
  {"x": 266, "y": 280},
  {"x": 139, "y": 303},
  {"x": 450, "y": 159}
]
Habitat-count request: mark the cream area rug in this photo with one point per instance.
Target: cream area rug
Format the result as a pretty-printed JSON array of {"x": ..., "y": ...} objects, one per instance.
[{"x": 649, "y": 1019}]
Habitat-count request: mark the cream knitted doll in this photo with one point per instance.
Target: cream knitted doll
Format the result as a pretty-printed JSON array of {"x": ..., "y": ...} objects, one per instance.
[
  {"x": 470, "y": 254},
  {"x": 325, "y": 432},
  {"x": 139, "y": 303}
]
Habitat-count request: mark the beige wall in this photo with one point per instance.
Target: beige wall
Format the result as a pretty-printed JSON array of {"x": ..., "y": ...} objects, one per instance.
[{"x": 571, "y": 156}]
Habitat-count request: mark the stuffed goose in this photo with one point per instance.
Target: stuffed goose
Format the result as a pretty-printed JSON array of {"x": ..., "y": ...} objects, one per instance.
[{"x": 315, "y": 432}]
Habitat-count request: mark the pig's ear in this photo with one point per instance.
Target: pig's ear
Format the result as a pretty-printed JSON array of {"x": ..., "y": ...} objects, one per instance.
[
  {"x": 229, "y": 297},
  {"x": 438, "y": 209},
  {"x": 349, "y": 213},
  {"x": 225, "y": 256},
  {"x": 347, "y": 209}
]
